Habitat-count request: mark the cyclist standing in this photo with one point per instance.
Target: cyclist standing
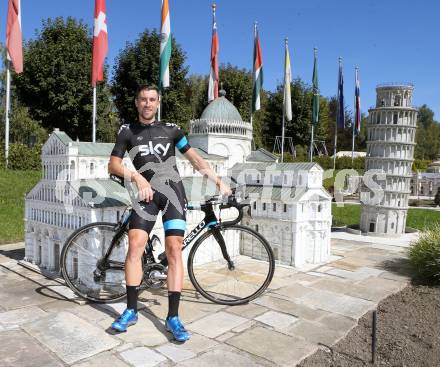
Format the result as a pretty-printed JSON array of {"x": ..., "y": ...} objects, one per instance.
[{"x": 151, "y": 145}]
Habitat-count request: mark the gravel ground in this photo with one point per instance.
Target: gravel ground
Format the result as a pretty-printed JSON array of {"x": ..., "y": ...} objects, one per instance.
[{"x": 408, "y": 334}]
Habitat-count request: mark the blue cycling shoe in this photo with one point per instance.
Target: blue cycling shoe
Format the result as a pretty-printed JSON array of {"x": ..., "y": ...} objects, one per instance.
[
  {"x": 174, "y": 326},
  {"x": 129, "y": 317}
]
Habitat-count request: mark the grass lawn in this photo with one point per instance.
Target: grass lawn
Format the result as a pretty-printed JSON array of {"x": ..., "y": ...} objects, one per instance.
[
  {"x": 417, "y": 218},
  {"x": 13, "y": 186}
]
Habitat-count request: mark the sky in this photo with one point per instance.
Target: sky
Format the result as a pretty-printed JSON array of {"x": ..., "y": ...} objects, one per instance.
[{"x": 389, "y": 40}]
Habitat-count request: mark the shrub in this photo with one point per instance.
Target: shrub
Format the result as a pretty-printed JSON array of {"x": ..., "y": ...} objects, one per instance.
[
  {"x": 424, "y": 254},
  {"x": 22, "y": 157},
  {"x": 437, "y": 197}
]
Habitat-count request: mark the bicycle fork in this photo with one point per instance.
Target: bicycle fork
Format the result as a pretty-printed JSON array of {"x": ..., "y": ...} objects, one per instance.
[{"x": 221, "y": 241}]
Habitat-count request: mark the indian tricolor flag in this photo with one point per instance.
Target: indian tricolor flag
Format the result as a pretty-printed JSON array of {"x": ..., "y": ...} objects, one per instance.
[
  {"x": 165, "y": 46},
  {"x": 258, "y": 73}
]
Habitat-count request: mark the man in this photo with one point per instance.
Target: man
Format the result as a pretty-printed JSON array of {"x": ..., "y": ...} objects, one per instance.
[{"x": 151, "y": 146}]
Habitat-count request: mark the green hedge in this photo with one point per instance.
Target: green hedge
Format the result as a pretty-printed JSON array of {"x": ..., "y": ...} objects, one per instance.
[
  {"x": 424, "y": 254},
  {"x": 22, "y": 157}
]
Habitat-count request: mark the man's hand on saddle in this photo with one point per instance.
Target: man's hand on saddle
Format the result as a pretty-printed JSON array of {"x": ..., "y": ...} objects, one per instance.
[{"x": 145, "y": 192}]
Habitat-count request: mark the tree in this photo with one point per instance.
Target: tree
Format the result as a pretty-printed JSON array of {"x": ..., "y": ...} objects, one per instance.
[
  {"x": 138, "y": 64},
  {"x": 55, "y": 84},
  {"x": 427, "y": 134},
  {"x": 300, "y": 126}
]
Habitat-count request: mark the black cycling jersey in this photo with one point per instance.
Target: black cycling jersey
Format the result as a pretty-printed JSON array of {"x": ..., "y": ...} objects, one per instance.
[{"x": 152, "y": 150}]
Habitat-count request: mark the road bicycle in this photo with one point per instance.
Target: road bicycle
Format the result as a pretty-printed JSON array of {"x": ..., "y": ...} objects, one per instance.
[{"x": 228, "y": 264}]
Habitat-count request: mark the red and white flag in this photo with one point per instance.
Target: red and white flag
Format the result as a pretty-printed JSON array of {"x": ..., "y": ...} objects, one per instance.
[
  {"x": 14, "y": 39},
  {"x": 213, "y": 74},
  {"x": 100, "y": 42}
]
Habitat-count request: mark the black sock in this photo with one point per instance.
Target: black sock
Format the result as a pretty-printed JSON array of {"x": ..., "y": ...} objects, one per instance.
[
  {"x": 173, "y": 304},
  {"x": 132, "y": 297}
]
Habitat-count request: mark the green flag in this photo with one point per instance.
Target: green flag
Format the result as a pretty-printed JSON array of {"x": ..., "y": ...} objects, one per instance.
[{"x": 315, "y": 98}]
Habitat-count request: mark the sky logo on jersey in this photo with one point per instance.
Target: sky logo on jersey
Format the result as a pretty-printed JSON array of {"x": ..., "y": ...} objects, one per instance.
[{"x": 148, "y": 149}]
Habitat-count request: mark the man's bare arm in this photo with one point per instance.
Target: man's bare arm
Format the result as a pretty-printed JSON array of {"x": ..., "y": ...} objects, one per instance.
[
  {"x": 205, "y": 169},
  {"x": 116, "y": 167}
]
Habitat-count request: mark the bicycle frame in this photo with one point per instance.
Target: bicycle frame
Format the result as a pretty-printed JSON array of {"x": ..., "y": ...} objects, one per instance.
[{"x": 210, "y": 221}]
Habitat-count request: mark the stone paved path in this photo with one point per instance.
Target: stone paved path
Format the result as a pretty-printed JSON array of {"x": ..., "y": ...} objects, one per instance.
[{"x": 303, "y": 310}]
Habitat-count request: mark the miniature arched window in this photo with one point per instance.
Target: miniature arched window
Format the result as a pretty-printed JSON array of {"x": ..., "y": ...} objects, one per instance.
[
  {"x": 92, "y": 168},
  {"x": 395, "y": 118},
  {"x": 397, "y": 100}
]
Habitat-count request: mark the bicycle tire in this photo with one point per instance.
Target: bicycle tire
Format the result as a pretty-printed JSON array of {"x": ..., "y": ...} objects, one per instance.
[
  {"x": 207, "y": 277},
  {"x": 70, "y": 271}
]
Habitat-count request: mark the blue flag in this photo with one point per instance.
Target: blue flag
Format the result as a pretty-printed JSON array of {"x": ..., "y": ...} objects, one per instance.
[{"x": 340, "y": 117}]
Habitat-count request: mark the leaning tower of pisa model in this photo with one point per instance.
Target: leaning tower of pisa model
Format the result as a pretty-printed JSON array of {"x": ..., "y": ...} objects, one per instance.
[{"x": 391, "y": 133}]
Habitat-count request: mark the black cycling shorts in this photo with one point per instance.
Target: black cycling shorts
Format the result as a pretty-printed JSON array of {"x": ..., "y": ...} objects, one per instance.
[{"x": 173, "y": 205}]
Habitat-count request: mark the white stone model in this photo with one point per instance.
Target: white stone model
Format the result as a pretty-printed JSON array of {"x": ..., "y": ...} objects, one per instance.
[
  {"x": 294, "y": 215},
  {"x": 391, "y": 132}
]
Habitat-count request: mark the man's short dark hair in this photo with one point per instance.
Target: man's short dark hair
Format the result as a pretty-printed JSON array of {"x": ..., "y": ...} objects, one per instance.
[{"x": 146, "y": 87}]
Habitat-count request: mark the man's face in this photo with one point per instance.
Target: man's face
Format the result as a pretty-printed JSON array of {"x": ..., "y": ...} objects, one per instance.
[{"x": 147, "y": 103}]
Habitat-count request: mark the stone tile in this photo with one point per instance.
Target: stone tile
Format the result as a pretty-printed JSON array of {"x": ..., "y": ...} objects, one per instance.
[
  {"x": 243, "y": 327},
  {"x": 314, "y": 332},
  {"x": 223, "y": 356},
  {"x": 197, "y": 344},
  {"x": 16, "y": 294},
  {"x": 273, "y": 346},
  {"x": 397, "y": 277},
  {"x": 249, "y": 310},
  {"x": 305, "y": 279},
  {"x": 222, "y": 338},
  {"x": 191, "y": 307},
  {"x": 26, "y": 351},
  {"x": 318, "y": 274},
  {"x": 337, "y": 322},
  {"x": 70, "y": 337},
  {"x": 175, "y": 353},
  {"x": 293, "y": 291},
  {"x": 293, "y": 308},
  {"x": 279, "y": 321},
  {"x": 103, "y": 359},
  {"x": 337, "y": 303},
  {"x": 59, "y": 305},
  {"x": 21, "y": 316},
  {"x": 142, "y": 357},
  {"x": 116, "y": 308},
  {"x": 216, "y": 324},
  {"x": 148, "y": 331},
  {"x": 357, "y": 275}
]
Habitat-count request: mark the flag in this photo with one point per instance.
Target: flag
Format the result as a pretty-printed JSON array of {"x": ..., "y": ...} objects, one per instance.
[
  {"x": 100, "y": 42},
  {"x": 287, "y": 103},
  {"x": 14, "y": 39},
  {"x": 357, "y": 97},
  {"x": 213, "y": 74},
  {"x": 340, "y": 117},
  {"x": 257, "y": 73},
  {"x": 315, "y": 98},
  {"x": 165, "y": 46}
]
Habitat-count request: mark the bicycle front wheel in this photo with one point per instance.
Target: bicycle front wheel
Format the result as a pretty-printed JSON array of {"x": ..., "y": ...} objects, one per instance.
[
  {"x": 81, "y": 262},
  {"x": 213, "y": 276}
]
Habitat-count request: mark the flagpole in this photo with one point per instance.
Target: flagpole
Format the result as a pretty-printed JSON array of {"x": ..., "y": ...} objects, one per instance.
[
  {"x": 336, "y": 121},
  {"x": 282, "y": 139},
  {"x": 94, "y": 116},
  {"x": 354, "y": 123},
  {"x": 253, "y": 86},
  {"x": 8, "y": 107},
  {"x": 315, "y": 50}
]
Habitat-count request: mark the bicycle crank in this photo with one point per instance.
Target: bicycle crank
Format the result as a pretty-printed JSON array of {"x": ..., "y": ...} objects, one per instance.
[{"x": 155, "y": 275}]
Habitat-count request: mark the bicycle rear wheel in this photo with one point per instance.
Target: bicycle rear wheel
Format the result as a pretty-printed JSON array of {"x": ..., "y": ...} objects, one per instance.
[
  {"x": 252, "y": 271},
  {"x": 80, "y": 256}
]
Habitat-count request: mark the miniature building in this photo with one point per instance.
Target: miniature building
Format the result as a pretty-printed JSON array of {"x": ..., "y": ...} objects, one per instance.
[
  {"x": 391, "y": 134},
  {"x": 290, "y": 206}
]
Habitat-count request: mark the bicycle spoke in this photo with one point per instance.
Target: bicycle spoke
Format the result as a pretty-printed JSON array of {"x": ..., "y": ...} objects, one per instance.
[
  {"x": 80, "y": 259},
  {"x": 252, "y": 272}
]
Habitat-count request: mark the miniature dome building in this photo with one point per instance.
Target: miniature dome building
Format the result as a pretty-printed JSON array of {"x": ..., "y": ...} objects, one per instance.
[
  {"x": 391, "y": 134},
  {"x": 221, "y": 131}
]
